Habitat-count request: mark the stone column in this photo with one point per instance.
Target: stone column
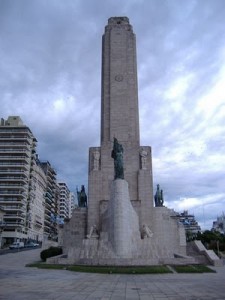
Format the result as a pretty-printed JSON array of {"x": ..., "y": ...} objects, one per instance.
[{"x": 123, "y": 229}]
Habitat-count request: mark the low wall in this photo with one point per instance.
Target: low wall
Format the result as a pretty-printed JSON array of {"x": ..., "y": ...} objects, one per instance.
[{"x": 209, "y": 254}]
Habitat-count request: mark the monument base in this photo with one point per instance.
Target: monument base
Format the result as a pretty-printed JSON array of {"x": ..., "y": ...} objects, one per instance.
[{"x": 122, "y": 240}]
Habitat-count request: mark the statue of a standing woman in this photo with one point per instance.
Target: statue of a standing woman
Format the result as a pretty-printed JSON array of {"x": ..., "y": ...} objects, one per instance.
[{"x": 117, "y": 155}]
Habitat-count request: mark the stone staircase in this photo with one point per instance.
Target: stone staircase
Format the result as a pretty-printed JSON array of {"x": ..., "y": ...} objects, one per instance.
[
  {"x": 199, "y": 257},
  {"x": 202, "y": 255}
]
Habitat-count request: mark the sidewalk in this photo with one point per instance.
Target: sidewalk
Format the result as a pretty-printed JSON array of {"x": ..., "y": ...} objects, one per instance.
[{"x": 20, "y": 283}]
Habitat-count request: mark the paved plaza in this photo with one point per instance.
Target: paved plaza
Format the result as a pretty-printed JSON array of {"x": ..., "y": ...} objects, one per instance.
[{"x": 18, "y": 282}]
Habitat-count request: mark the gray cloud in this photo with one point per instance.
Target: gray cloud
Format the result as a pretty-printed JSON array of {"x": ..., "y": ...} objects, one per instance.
[{"x": 50, "y": 73}]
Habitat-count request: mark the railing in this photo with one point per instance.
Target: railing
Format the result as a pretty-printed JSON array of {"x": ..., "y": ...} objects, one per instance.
[
  {"x": 13, "y": 150},
  {"x": 13, "y": 217},
  {"x": 18, "y": 144},
  {"x": 14, "y": 207},
  {"x": 12, "y": 136},
  {"x": 11, "y": 192},
  {"x": 13, "y": 177},
  {"x": 11, "y": 157},
  {"x": 14, "y": 224},
  {"x": 5, "y": 199},
  {"x": 13, "y": 171},
  {"x": 13, "y": 164},
  {"x": 11, "y": 185}
]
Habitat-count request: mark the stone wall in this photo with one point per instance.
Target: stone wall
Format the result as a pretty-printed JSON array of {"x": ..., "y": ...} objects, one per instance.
[
  {"x": 75, "y": 230},
  {"x": 168, "y": 233}
]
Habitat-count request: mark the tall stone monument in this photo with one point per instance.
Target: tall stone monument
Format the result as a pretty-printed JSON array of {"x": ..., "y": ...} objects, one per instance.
[
  {"x": 121, "y": 225},
  {"x": 120, "y": 119}
]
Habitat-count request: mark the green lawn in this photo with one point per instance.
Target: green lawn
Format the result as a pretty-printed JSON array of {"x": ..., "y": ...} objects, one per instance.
[
  {"x": 105, "y": 269},
  {"x": 193, "y": 269}
]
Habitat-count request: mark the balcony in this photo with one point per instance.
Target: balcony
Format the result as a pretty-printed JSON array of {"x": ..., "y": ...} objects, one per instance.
[
  {"x": 16, "y": 208},
  {"x": 17, "y": 136},
  {"x": 14, "y": 199},
  {"x": 47, "y": 222},
  {"x": 11, "y": 223},
  {"x": 14, "y": 164},
  {"x": 10, "y": 192},
  {"x": 48, "y": 202},
  {"x": 38, "y": 223},
  {"x": 15, "y": 157},
  {"x": 48, "y": 209},
  {"x": 14, "y": 171},
  {"x": 10, "y": 186},
  {"x": 48, "y": 195},
  {"x": 14, "y": 216},
  {"x": 14, "y": 179},
  {"x": 22, "y": 150}
]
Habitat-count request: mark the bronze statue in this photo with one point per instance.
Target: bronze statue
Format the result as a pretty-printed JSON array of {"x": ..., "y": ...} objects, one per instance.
[
  {"x": 117, "y": 155},
  {"x": 82, "y": 197},
  {"x": 158, "y": 197}
]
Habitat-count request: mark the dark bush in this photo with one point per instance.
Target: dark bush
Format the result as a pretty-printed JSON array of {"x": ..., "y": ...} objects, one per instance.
[{"x": 50, "y": 252}]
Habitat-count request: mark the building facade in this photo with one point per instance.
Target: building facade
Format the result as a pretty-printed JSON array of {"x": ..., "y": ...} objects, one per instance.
[
  {"x": 29, "y": 194},
  {"x": 191, "y": 226},
  {"x": 17, "y": 158},
  {"x": 64, "y": 201},
  {"x": 51, "y": 201},
  {"x": 38, "y": 184},
  {"x": 219, "y": 224},
  {"x": 73, "y": 203}
]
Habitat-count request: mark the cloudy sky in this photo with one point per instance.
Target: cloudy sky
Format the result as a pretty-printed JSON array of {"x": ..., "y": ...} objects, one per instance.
[{"x": 50, "y": 74}]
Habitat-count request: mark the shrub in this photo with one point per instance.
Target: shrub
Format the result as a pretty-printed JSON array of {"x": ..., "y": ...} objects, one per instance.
[{"x": 50, "y": 252}]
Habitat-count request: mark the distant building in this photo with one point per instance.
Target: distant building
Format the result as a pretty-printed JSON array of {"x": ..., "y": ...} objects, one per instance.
[
  {"x": 219, "y": 224},
  {"x": 190, "y": 224},
  {"x": 66, "y": 201},
  {"x": 73, "y": 203},
  {"x": 51, "y": 198},
  {"x": 36, "y": 202}
]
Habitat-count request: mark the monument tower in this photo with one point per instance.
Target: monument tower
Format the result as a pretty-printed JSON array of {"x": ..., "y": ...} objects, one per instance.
[
  {"x": 120, "y": 224},
  {"x": 119, "y": 119},
  {"x": 119, "y": 113}
]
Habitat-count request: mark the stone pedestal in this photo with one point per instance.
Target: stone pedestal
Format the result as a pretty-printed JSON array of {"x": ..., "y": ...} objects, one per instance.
[{"x": 123, "y": 221}]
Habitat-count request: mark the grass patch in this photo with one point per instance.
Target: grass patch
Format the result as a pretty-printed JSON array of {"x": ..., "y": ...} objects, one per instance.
[
  {"x": 124, "y": 269},
  {"x": 42, "y": 265},
  {"x": 193, "y": 269},
  {"x": 120, "y": 269},
  {"x": 105, "y": 269}
]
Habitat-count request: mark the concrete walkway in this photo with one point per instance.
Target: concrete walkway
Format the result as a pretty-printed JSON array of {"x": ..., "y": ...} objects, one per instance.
[{"x": 20, "y": 283}]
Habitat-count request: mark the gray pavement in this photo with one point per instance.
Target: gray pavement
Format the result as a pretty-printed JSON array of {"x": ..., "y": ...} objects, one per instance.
[{"x": 20, "y": 283}]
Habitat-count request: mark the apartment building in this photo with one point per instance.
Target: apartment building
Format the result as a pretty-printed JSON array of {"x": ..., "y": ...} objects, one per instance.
[
  {"x": 73, "y": 203},
  {"x": 17, "y": 157},
  {"x": 190, "y": 224},
  {"x": 51, "y": 198},
  {"x": 219, "y": 224},
  {"x": 29, "y": 194},
  {"x": 64, "y": 201},
  {"x": 36, "y": 203}
]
